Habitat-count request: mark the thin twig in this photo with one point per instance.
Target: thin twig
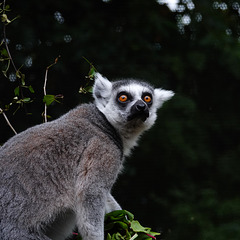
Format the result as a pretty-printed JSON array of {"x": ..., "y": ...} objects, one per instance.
[
  {"x": 45, "y": 86},
  {"x": 45, "y": 93},
  {"x": 9, "y": 124}
]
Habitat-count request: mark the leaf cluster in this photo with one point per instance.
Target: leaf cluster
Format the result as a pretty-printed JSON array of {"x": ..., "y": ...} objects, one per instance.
[
  {"x": 120, "y": 225},
  {"x": 87, "y": 88}
]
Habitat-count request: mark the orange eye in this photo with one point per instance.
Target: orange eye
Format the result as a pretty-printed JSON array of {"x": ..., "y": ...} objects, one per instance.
[
  {"x": 147, "y": 99},
  {"x": 123, "y": 98}
]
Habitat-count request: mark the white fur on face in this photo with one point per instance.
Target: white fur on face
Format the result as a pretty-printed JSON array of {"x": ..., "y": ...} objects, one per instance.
[
  {"x": 106, "y": 101},
  {"x": 118, "y": 116}
]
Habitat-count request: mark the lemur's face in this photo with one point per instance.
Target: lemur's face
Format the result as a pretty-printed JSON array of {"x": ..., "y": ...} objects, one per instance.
[
  {"x": 133, "y": 101},
  {"x": 129, "y": 103}
]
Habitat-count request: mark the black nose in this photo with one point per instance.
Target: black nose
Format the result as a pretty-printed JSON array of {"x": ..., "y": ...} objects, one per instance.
[
  {"x": 139, "y": 111},
  {"x": 140, "y": 106}
]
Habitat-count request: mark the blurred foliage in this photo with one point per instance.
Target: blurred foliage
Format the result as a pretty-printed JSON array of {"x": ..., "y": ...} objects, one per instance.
[{"x": 183, "y": 179}]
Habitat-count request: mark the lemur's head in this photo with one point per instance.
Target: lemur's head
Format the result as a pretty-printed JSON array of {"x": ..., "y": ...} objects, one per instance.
[{"x": 128, "y": 103}]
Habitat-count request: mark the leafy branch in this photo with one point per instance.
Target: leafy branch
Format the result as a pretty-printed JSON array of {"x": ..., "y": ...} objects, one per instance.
[
  {"x": 6, "y": 56},
  {"x": 49, "y": 99},
  {"x": 90, "y": 77},
  {"x": 6, "y": 21}
]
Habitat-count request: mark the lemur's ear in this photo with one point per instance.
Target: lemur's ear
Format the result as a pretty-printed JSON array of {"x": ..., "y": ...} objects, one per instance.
[
  {"x": 162, "y": 96},
  {"x": 101, "y": 90}
]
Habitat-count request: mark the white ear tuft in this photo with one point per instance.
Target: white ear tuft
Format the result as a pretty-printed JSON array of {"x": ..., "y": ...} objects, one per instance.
[
  {"x": 101, "y": 90},
  {"x": 162, "y": 95}
]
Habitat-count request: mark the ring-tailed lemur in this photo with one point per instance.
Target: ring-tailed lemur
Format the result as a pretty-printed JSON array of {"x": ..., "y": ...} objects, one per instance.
[{"x": 59, "y": 174}]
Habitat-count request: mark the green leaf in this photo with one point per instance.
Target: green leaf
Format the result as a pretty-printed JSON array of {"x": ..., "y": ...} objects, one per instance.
[
  {"x": 116, "y": 215},
  {"x": 92, "y": 71},
  {"x": 20, "y": 101},
  {"x": 137, "y": 227},
  {"x": 49, "y": 99},
  {"x": 16, "y": 91},
  {"x": 5, "y": 18},
  {"x": 119, "y": 236},
  {"x": 7, "y": 8},
  {"x": 4, "y": 52},
  {"x": 18, "y": 74},
  {"x": 89, "y": 89},
  {"x": 109, "y": 237},
  {"x": 26, "y": 100},
  {"x": 121, "y": 225},
  {"x": 129, "y": 215},
  {"x": 128, "y": 234},
  {"x": 22, "y": 78},
  {"x": 31, "y": 89}
]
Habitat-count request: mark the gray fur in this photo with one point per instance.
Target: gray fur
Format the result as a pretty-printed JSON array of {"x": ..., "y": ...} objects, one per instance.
[{"x": 58, "y": 175}]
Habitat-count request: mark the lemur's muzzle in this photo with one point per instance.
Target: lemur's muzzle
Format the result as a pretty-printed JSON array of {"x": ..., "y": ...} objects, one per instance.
[{"x": 139, "y": 111}]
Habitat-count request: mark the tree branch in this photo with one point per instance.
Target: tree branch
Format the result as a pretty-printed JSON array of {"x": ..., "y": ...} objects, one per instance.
[{"x": 9, "y": 124}]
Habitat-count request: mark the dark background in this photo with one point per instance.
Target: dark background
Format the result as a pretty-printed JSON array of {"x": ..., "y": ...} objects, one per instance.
[{"x": 184, "y": 178}]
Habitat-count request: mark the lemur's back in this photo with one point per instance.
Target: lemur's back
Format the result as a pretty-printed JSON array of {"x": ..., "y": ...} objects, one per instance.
[{"x": 40, "y": 166}]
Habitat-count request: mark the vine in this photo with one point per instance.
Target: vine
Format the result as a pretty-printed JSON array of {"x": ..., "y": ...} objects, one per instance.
[{"x": 6, "y": 57}]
